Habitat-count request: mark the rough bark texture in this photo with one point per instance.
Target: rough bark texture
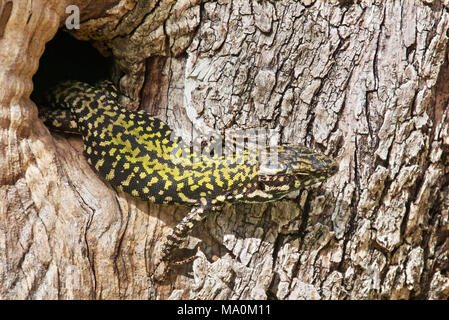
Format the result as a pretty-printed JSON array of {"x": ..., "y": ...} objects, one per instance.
[{"x": 367, "y": 83}]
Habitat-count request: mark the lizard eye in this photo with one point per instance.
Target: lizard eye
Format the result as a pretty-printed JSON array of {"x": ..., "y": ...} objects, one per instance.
[
  {"x": 265, "y": 182},
  {"x": 269, "y": 168}
]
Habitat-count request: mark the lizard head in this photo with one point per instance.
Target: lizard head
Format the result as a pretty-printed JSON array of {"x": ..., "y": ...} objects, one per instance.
[{"x": 292, "y": 168}]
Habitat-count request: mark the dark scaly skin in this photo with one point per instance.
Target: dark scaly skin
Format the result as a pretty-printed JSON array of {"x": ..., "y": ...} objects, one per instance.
[{"x": 136, "y": 154}]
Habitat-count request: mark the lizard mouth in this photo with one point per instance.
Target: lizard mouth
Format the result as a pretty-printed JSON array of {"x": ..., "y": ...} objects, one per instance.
[
  {"x": 318, "y": 174},
  {"x": 332, "y": 168}
]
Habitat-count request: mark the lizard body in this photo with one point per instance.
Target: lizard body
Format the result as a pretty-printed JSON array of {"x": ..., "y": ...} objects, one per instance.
[{"x": 138, "y": 154}]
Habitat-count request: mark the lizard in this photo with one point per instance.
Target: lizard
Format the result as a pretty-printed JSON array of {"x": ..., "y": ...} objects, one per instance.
[{"x": 139, "y": 154}]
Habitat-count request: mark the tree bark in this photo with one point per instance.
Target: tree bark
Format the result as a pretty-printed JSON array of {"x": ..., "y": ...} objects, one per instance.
[{"x": 365, "y": 82}]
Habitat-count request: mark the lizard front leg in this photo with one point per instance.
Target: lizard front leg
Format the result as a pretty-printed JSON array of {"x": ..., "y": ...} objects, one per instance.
[
  {"x": 179, "y": 235},
  {"x": 182, "y": 229}
]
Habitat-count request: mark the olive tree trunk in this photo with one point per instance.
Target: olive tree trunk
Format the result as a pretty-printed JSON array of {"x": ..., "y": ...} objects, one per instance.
[{"x": 365, "y": 82}]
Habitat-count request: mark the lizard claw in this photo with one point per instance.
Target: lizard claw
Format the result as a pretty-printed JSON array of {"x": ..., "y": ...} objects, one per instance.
[{"x": 161, "y": 271}]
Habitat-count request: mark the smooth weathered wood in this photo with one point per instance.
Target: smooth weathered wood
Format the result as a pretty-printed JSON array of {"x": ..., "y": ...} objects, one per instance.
[{"x": 364, "y": 82}]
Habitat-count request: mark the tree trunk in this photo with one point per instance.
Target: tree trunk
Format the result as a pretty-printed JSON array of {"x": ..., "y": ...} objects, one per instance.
[{"x": 364, "y": 82}]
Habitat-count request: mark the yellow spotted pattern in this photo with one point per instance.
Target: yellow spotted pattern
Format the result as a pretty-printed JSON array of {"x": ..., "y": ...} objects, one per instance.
[{"x": 138, "y": 154}]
